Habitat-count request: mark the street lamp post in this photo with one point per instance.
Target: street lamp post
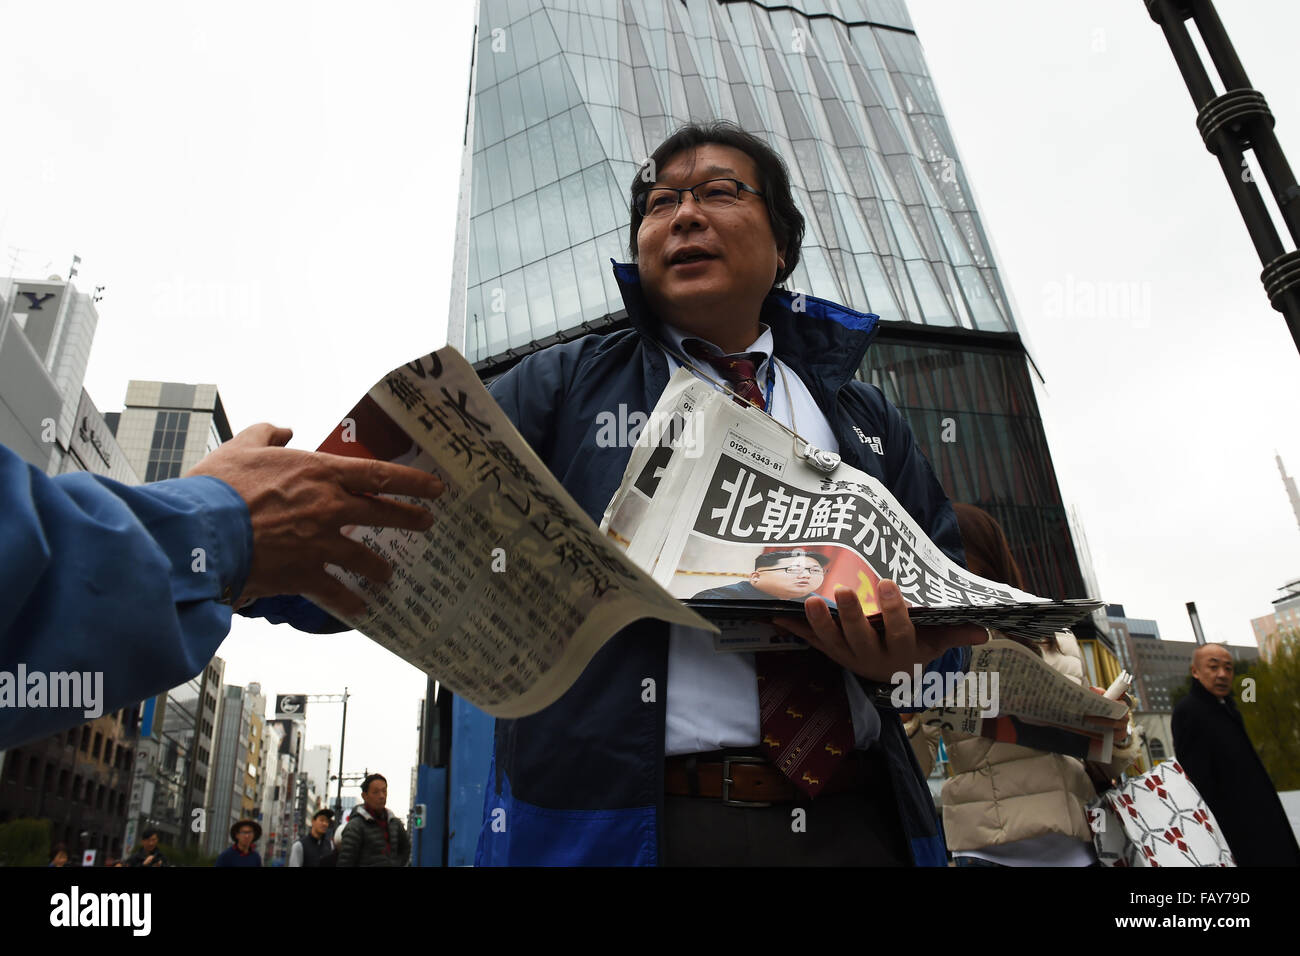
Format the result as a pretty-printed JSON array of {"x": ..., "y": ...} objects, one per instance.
[{"x": 1231, "y": 123}]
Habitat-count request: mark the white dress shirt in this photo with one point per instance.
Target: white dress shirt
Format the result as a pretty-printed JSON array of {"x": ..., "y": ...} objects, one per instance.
[{"x": 713, "y": 697}]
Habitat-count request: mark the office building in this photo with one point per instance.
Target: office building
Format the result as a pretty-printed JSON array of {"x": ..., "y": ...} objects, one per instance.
[
  {"x": 168, "y": 427},
  {"x": 230, "y": 795},
  {"x": 1285, "y": 618},
  {"x": 316, "y": 765},
  {"x": 568, "y": 99},
  {"x": 78, "y": 779},
  {"x": 164, "y": 430},
  {"x": 175, "y": 734},
  {"x": 1124, "y": 630},
  {"x": 46, "y": 331}
]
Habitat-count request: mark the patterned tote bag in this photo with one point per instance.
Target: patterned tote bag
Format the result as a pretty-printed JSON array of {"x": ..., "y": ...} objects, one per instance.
[{"x": 1158, "y": 819}]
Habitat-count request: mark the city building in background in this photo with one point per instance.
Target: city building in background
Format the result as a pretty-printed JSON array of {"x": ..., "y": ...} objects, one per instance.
[
  {"x": 316, "y": 765},
  {"x": 1124, "y": 630},
  {"x": 79, "y": 780},
  {"x": 175, "y": 734},
  {"x": 1155, "y": 721},
  {"x": 169, "y": 427},
  {"x": 46, "y": 331},
  {"x": 228, "y": 795},
  {"x": 567, "y": 102},
  {"x": 250, "y": 804},
  {"x": 273, "y": 794},
  {"x": 1285, "y": 618},
  {"x": 294, "y": 793}
]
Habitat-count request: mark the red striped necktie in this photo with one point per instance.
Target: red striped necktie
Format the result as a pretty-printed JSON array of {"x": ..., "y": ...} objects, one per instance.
[{"x": 739, "y": 371}]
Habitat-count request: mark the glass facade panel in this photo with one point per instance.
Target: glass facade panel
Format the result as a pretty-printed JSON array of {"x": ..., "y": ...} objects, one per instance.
[
  {"x": 531, "y": 245},
  {"x": 555, "y": 229},
  {"x": 554, "y": 86},
  {"x": 541, "y": 300},
  {"x": 490, "y": 115},
  {"x": 588, "y": 265},
  {"x": 167, "y": 446},
  {"x": 507, "y": 237},
  {"x": 543, "y": 156},
  {"x": 512, "y": 106},
  {"x": 564, "y": 289},
  {"x": 534, "y": 100},
  {"x": 521, "y": 164},
  {"x": 573, "y": 189},
  {"x": 514, "y": 301},
  {"x": 566, "y": 146}
]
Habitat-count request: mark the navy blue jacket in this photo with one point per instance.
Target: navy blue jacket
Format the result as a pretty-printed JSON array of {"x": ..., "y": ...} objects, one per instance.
[
  {"x": 231, "y": 856},
  {"x": 581, "y": 782}
]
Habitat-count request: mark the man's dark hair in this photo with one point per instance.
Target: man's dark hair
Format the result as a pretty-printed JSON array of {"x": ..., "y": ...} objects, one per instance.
[
  {"x": 365, "y": 784},
  {"x": 328, "y": 814},
  {"x": 148, "y": 832},
  {"x": 773, "y": 558},
  {"x": 774, "y": 182}
]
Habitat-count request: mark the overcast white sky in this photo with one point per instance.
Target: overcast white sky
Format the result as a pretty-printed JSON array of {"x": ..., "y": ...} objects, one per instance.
[{"x": 268, "y": 192}]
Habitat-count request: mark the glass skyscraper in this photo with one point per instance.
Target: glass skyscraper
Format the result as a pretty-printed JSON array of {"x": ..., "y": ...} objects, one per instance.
[{"x": 568, "y": 98}]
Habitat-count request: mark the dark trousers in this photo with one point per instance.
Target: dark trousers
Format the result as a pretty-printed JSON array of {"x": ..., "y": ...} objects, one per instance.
[{"x": 843, "y": 829}]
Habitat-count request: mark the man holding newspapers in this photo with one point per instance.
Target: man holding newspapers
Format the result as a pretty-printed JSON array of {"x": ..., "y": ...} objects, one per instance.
[{"x": 658, "y": 753}]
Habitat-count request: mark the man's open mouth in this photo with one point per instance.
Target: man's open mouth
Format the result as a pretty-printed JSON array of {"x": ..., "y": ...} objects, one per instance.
[{"x": 695, "y": 256}]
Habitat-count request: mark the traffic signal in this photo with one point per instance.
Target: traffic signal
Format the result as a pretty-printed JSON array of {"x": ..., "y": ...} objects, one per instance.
[{"x": 417, "y": 817}]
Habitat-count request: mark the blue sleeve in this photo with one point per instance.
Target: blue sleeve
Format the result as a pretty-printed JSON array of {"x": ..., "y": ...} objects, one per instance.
[
  {"x": 120, "y": 584},
  {"x": 296, "y": 611}
]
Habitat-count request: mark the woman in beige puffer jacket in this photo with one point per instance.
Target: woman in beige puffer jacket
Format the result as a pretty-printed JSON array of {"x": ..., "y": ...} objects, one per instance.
[{"x": 1006, "y": 804}]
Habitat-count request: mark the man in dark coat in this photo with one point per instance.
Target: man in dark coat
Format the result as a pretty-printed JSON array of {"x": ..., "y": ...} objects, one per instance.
[
  {"x": 373, "y": 836},
  {"x": 1211, "y": 744},
  {"x": 148, "y": 854}
]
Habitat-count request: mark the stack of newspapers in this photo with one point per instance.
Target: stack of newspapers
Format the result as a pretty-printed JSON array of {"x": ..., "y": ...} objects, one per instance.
[{"x": 742, "y": 520}]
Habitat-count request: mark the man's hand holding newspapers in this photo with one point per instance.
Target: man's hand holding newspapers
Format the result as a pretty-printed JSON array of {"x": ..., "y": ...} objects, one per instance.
[{"x": 855, "y": 644}]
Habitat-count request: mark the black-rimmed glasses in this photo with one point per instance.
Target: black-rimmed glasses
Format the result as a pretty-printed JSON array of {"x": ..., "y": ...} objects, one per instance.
[{"x": 711, "y": 194}]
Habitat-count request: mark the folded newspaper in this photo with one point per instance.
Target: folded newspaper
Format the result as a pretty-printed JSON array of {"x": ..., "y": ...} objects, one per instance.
[
  {"x": 514, "y": 589},
  {"x": 731, "y": 514},
  {"x": 1051, "y": 711}
]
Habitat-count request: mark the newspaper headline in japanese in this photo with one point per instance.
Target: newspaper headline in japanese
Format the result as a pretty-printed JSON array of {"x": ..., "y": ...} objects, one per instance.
[{"x": 720, "y": 504}]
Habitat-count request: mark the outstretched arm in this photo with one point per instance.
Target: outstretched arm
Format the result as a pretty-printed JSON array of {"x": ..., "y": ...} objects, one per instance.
[{"x": 110, "y": 594}]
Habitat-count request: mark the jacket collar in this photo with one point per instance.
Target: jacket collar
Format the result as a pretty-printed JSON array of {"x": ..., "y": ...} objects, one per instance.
[
  {"x": 815, "y": 336},
  {"x": 1199, "y": 691}
]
